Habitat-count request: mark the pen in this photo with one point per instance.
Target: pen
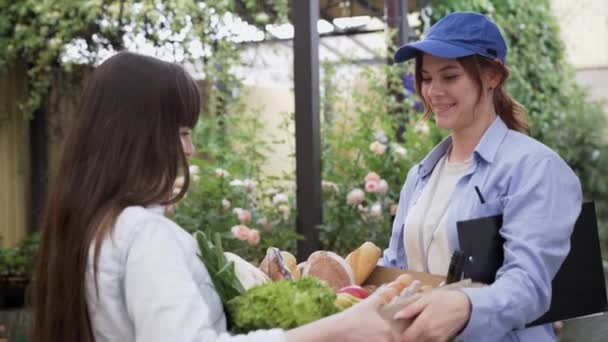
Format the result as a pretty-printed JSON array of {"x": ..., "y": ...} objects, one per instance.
[{"x": 479, "y": 194}]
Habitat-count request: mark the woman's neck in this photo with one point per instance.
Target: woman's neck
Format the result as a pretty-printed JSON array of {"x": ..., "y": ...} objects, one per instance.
[{"x": 465, "y": 140}]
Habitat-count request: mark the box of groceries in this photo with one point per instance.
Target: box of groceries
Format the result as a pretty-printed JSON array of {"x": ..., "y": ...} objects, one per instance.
[{"x": 282, "y": 292}]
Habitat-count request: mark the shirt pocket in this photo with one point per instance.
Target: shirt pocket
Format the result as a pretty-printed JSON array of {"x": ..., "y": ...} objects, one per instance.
[{"x": 490, "y": 208}]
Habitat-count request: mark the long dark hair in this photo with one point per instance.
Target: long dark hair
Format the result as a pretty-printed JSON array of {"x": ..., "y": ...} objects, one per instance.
[
  {"x": 123, "y": 150},
  {"x": 510, "y": 111}
]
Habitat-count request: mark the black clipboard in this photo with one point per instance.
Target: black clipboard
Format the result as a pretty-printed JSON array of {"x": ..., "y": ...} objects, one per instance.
[{"x": 579, "y": 287}]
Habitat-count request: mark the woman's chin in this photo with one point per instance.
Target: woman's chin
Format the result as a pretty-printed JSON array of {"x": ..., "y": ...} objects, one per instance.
[{"x": 443, "y": 122}]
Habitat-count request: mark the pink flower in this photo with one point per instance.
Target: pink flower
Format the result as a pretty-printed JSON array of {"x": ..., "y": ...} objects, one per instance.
[
  {"x": 372, "y": 176},
  {"x": 250, "y": 185},
  {"x": 254, "y": 237},
  {"x": 244, "y": 215},
  {"x": 382, "y": 187},
  {"x": 355, "y": 197},
  {"x": 371, "y": 186},
  {"x": 376, "y": 210},
  {"x": 241, "y": 232},
  {"x": 394, "y": 209},
  {"x": 377, "y": 148},
  {"x": 263, "y": 222}
]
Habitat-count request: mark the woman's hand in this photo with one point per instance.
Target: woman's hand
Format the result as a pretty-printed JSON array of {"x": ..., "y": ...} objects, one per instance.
[
  {"x": 359, "y": 323},
  {"x": 437, "y": 316},
  {"x": 367, "y": 324}
]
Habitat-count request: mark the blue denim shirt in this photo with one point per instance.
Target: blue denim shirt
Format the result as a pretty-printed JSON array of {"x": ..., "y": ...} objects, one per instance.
[{"x": 540, "y": 199}]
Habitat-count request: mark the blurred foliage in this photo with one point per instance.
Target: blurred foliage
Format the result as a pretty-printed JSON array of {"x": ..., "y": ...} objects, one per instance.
[
  {"x": 17, "y": 263},
  {"x": 561, "y": 114},
  {"x": 39, "y": 32}
]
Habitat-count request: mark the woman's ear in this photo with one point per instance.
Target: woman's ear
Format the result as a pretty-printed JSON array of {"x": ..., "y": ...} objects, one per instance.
[{"x": 492, "y": 78}]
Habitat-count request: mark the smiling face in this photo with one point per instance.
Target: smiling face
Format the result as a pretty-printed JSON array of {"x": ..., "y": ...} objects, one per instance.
[{"x": 452, "y": 94}]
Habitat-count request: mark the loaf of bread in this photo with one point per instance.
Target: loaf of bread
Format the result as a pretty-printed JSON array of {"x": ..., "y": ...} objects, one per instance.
[
  {"x": 329, "y": 267},
  {"x": 363, "y": 260},
  {"x": 292, "y": 264},
  {"x": 274, "y": 266}
]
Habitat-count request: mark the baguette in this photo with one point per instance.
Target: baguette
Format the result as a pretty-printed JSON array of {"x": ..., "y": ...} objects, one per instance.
[{"x": 363, "y": 260}]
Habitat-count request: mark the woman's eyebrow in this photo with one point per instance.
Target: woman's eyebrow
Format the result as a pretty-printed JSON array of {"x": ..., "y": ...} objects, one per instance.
[{"x": 447, "y": 67}]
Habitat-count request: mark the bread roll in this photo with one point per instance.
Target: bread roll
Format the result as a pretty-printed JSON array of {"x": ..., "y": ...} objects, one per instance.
[
  {"x": 331, "y": 268},
  {"x": 274, "y": 265},
  {"x": 363, "y": 260},
  {"x": 292, "y": 264}
]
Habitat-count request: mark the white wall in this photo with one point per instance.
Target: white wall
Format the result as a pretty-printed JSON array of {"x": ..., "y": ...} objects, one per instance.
[{"x": 584, "y": 30}]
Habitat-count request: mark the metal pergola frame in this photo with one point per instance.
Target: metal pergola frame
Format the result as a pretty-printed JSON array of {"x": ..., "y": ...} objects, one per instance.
[{"x": 307, "y": 98}]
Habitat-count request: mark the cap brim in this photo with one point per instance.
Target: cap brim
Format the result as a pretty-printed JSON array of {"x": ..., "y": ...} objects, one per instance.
[{"x": 432, "y": 47}]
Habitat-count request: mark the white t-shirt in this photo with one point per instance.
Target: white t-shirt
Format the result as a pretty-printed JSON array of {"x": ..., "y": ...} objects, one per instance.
[
  {"x": 154, "y": 288},
  {"x": 425, "y": 236}
]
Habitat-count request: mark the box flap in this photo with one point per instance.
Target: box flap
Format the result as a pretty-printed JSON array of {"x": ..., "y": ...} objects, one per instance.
[{"x": 382, "y": 275}]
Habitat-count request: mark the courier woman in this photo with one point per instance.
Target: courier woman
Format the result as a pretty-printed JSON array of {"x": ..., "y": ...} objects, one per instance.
[
  {"x": 111, "y": 267},
  {"x": 488, "y": 165}
]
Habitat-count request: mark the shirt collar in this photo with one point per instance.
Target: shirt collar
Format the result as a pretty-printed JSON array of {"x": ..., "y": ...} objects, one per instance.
[
  {"x": 485, "y": 149},
  {"x": 156, "y": 208}
]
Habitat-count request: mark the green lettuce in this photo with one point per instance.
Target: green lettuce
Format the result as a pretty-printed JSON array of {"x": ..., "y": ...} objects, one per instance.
[{"x": 283, "y": 304}]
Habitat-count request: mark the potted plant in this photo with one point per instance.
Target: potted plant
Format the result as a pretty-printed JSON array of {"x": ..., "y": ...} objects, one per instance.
[{"x": 16, "y": 266}]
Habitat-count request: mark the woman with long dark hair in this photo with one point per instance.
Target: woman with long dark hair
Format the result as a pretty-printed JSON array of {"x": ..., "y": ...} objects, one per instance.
[{"x": 111, "y": 267}]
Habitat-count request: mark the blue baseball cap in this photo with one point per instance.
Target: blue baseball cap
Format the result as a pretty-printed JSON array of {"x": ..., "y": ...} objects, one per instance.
[{"x": 459, "y": 34}]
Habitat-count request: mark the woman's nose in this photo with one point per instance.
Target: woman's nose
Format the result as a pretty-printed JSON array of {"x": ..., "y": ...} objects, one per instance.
[{"x": 188, "y": 147}]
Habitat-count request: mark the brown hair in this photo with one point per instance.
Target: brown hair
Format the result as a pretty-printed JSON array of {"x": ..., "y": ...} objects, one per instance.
[
  {"x": 124, "y": 150},
  {"x": 510, "y": 111}
]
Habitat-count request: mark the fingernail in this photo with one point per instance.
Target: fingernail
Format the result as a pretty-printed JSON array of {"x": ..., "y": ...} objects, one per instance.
[{"x": 399, "y": 315}]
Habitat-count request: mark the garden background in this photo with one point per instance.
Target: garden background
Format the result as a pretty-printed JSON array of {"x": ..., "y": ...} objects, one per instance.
[{"x": 245, "y": 181}]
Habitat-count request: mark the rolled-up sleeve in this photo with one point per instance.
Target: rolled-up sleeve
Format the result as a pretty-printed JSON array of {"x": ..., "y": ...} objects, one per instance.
[
  {"x": 539, "y": 214},
  {"x": 163, "y": 300}
]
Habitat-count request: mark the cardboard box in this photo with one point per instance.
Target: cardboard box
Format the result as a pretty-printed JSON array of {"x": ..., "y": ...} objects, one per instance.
[{"x": 381, "y": 275}]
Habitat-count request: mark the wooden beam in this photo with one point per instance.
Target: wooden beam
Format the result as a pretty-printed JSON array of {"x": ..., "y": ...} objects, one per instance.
[{"x": 308, "y": 141}]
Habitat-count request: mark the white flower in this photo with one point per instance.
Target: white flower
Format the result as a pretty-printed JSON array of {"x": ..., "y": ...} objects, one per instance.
[
  {"x": 236, "y": 182},
  {"x": 280, "y": 198},
  {"x": 194, "y": 170},
  {"x": 376, "y": 210},
  {"x": 221, "y": 173},
  {"x": 285, "y": 209},
  {"x": 331, "y": 186},
  {"x": 226, "y": 204},
  {"x": 377, "y": 148},
  {"x": 381, "y": 137},
  {"x": 400, "y": 150},
  {"x": 422, "y": 128}
]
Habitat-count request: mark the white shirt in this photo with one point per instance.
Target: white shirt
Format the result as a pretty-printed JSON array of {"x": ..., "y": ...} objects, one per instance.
[
  {"x": 153, "y": 287},
  {"x": 426, "y": 240}
]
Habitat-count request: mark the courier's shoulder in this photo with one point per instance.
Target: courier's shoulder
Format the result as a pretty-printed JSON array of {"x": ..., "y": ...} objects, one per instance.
[{"x": 520, "y": 148}]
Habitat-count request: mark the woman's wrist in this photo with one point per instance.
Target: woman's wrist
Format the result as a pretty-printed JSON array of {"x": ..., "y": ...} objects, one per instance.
[{"x": 332, "y": 328}]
